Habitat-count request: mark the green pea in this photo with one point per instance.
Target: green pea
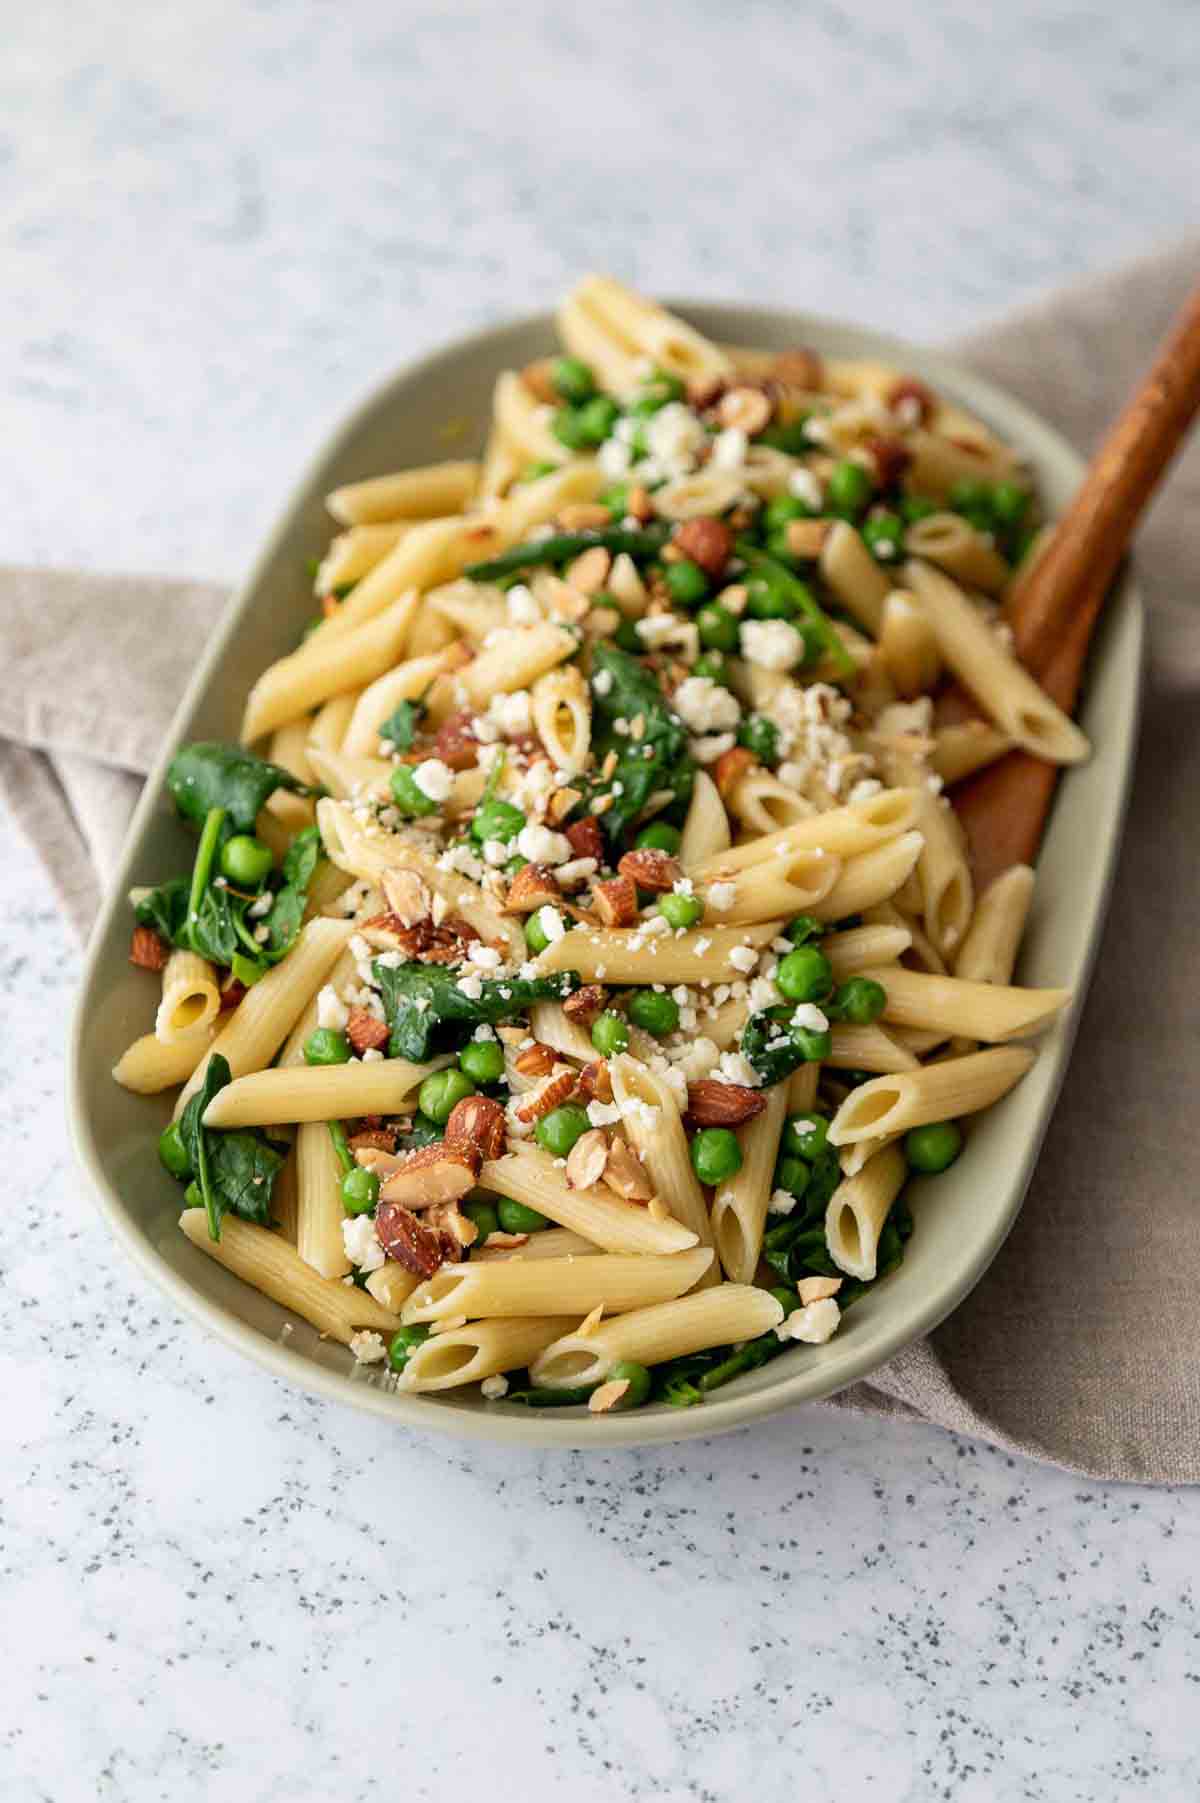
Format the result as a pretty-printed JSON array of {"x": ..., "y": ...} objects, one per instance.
[
  {"x": 616, "y": 499},
  {"x": 718, "y": 628},
  {"x": 173, "y": 1153},
  {"x": 712, "y": 665},
  {"x": 557, "y": 1131},
  {"x": 536, "y": 936},
  {"x": 326, "y": 1045},
  {"x": 716, "y": 1154},
  {"x": 804, "y": 1136},
  {"x": 792, "y": 437},
  {"x": 496, "y": 819},
  {"x": 660, "y": 836},
  {"x": 610, "y": 1034},
  {"x": 516, "y": 1217},
  {"x": 654, "y": 1012},
  {"x": 626, "y": 638},
  {"x": 360, "y": 1191},
  {"x": 482, "y": 1061},
  {"x": 812, "y": 1046},
  {"x": 628, "y": 1371},
  {"x": 768, "y": 600},
  {"x": 916, "y": 507},
  {"x": 805, "y": 975},
  {"x": 533, "y": 472},
  {"x": 573, "y": 380},
  {"x": 583, "y": 428},
  {"x": 686, "y": 582},
  {"x": 680, "y": 910},
  {"x": 814, "y": 645},
  {"x": 245, "y": 861},
  {"x": 1009, "y": 503},
  {"x": 971, "y": 496},
  {"x": 486, "y": 1220},
  {"x": 403, "y": 1344},
  {"x": 761, "y": 737},
  {"x": 791, "y": 1174},
  {"x": 849, "y": 488},
  {"x": 787, "y": 1299},
  {"x": 933, "y": 1148},
  {"x": 883, "y": 535},
  {"x": 441, "y": 1093},
  {"x": 408, "y": 795},
  {"x": 780, "y": 510},
  {"x": 860, "y": 1001},
  {"x": 803, "y": 928}
]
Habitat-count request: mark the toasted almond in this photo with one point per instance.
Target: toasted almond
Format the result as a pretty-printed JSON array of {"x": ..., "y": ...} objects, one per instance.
[
  {"x": 911, "y": 401},
  {"x": 589, "y": 571},
  {"x": 583, "y": 516},
  {"x": 477, "y": 1124},
  {"x": 531, "y": 888},
  {"x": 798, "y": 369},
  {"x": 148, "y": 949},
  {"x": 816, "y": 1289},
  {"x": 731, "y": 767},
  {"x": 806, "y": 538},
  {"x": 626, "y": 1174},
  {"x": 890, "y": 458},
  {"x": 536, "y": 377},
  {"x": 595, "y": 1082},
  {"x": 638, "y": 504},
  {"x": 748, "y": 408},
  {"x": 607, "y": 1396},
  {"x": 417, "y": 1247},
  {"x": 536, "y": 1060},
  {"x": 587, "y": 1159},
  {"x": 447, "y": 1217},
  {"x": 615, "y": 901},
  {"x": 707, "y": 541},
  {"x": 561, "y": 803},
  {"x": 657, "y": 871},
  {"x": 431, "y": 1174},
  {"x": 407, "y": 897},
  {"x": 712, "y": 1104},
  {"x": 733, "y": 598},
  {"x": 554, "y": 1090},
  {"x": 586, "y": 1003},
  {"x": 365, "y": 1033}
]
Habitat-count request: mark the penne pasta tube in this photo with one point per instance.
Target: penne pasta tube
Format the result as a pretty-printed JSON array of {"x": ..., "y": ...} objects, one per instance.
[
  {"x": 952, "y": 543},
  {"x": 706, "y": 829},
  {"x": 934, "y": 1092},
  {"x": 474, "y": 611},
  {"x": 989, "y": 951},
  {"x": 320, "y": 1092},
  {"x": 867, "y": 1048},
  {"x": 266, "y": 1014},
  {"x": 937, "y": 464},
  {"x": 857, "y": 1210},
  {"x": 739, "y": 1209},
  {"x": 148, "y": 1066},
  {"x": 284, "y": 1199},
  {"x": 652, "y": 332},
  {"x": 502, "y": 464},
  {"x": 562, "y": 718},
  {"x": 331, "y": 720},
  {"x": 478, "y": 1350},
  {"x": 407, "y": 682},
  {"x": 352, "y": 554},
  {"x": 872, "y": 877},
  {"x": 319, "y": 1211},
  {"x": 652, "y": 1122},
  {"x": 844, "y": 832},
  {"x": 552, "y": 1242},
  {"x": 533, "y": 503},
  {"x": 532, "y": 1178},
  {"x": 785, "y": 885},
  {"x": 922, "y": 1040},
  {"x": 993, "y": 1012},
  {"x": 325, "y": 666},
  {"x": 921, "y": 954},
  {"x": 325, "y": 892},
  {"x": 191, "y": 998},
  {"x": 854, "y": 576},
  {"x": 907, "y": 646},
  {"x": 853, "y": 1159},
  {"x": 859, "y": 948},
  {"x": 550, "y": 1026},
  {"x": 524, "y": 421},
  {"x": 391, "y": 1285},
  {"x": 625, "y": 955},
  {"x": 265, "y": 1260},
  {"x": 762, "y": 804},
  {"x": 436, "y": 488},
  {"x": 802, "y": 1089},
  {"x": 352, "y": 778},
  {"x": 566, "y": 1286},
  {"x": 1003, "y": 688},
  {"x": 433, "y": 552},
  {"x": 516, "y": 661},
  {"x": 289, "y": 749},
  {"x": 615, "y": 364},
  {"x": 731, "y": 1312},
  {"x": 968, "y": 745}
]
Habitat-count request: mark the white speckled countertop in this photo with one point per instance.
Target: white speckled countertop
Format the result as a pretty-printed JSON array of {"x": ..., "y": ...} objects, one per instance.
[{"x": 218, "y": 224}]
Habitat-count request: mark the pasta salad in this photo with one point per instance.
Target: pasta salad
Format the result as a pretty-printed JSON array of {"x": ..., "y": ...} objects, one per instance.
[{"x": 581, "y": 949}]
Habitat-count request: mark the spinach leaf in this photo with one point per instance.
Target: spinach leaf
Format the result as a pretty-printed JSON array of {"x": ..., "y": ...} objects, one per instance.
[
  {"x": 216, "y": 923},
  {"x": 210, "y": 775},
  {"x": 165, "y": 909},
  {"x": 657, "y": 761},
  {"x": 424, "y": 1006},
  {"x": 400, "y": 727},
  {"x": 770, "y": 1046},
  {"x": 286, "y": 914},
  {"x": 235, "y": 1170}
]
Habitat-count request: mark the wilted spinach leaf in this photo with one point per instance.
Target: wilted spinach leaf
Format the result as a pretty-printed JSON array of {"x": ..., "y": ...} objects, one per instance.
[
  {"x": 235, "y": 1169},
  {"x": 656, "y": 762},
  {"x": 424, "y": 1006},
  {"x": 210, "y": 775}
]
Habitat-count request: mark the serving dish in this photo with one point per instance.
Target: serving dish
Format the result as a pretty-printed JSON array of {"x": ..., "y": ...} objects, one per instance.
[{"x": 439, "y": 407}]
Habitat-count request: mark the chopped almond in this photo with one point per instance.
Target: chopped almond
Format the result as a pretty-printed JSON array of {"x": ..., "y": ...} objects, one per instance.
[
  {"x": 418, "y": 1248},
  {"x": 657, "y": 871},
  {"x": 595, "y": 1082},
  {"x": 560, "y": 804},
  {"x": 616, "y": 902},
  {"x": 436, "y": 1173},
  {"x": 455, "y": 742},
  {"x": 536, "y": 377},
  {"x": 626, "y": 1174},
  {"x": 731, "y": 767},
  {"x": 607, "y": 1396},
  {"x": 816, "y": 1289},
  {"x": 587, "y": 1159},
  {"x": 447, "y": 1217},
  {"x": 477, "y": 1124},
  {"x": 707, "y": 541},
  {"x": 748, "y": 408},
  {"x": 531, "y": 888},
  {"x": 365, "y": 1033},
  {"x": 554, "y": 1090},
  {"x": 586, "y": 1003},
  {"x": 148, "y": 949},
  {"x": 537, "y": 1060},
  {"x": 373, "y": 1139},
  {"x": 713, "y": 1104},
  {"x": 891, "y": 457},
  {"x": 589, "y": 571},
  {"x": 911, "y": 401},
  {"x": 806, "y": 538},
  {"x": 639, "y": 505},
  {"x": 586, "y": 838},
  {"x": 583, "y": 516},
  {"x": 798, "y": 369},
  {"x": 407, "y": 897}
]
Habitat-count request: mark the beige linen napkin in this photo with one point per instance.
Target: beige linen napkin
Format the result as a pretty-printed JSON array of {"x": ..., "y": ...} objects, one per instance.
[{"x": 1081, "y": 1346}]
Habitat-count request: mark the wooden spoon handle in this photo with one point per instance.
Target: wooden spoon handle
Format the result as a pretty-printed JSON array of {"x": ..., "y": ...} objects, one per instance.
[{"x": 1004, "y": 808}]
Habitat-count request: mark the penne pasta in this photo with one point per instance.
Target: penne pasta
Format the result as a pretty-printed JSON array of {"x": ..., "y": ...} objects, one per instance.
[
  {"x": 652, "y": 1121},
  {"x": 625, "y": 955},
  {"x": 739, "y": 1209},
  {"x": 481, "y": 1349},
  {"x": 854, "y": 576},
  {"x": 319, "y": 1211},
  {"x": 988, "y": 1011},
  {"x": 845, "y": 832},
  {"x": 407, "y": 682},
  {"x": 597, "y": 1214},
  {"x": 191, "y": 998},
  {"x": 409, "y": 494},
  {"x": 952, "y": 543},
  {"x": 934, "y": 1092},
  {"x": 320, "y": 1092},
  {"x": 265, "y": 1259},
  {"x": 872, "y": 877},
  {"x": 326, "y": 666},
  {"x": 552, "y": 1242},
  {"x": 706, "y": 829},
  {"x": 989, "y": 951},
  {"x": 566, "y": 1286},
  {"x": 149, "y": 1066},
  {"x": 857, "y": 1210},
  {"x": 730, "y": 1313}
]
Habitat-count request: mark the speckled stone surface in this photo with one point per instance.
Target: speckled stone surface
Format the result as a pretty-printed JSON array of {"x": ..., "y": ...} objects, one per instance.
[{"x": 218, "y": 223}]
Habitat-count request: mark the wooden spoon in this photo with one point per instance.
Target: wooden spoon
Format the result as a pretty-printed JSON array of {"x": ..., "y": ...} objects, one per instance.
[{"x": 1053, "y": 615}]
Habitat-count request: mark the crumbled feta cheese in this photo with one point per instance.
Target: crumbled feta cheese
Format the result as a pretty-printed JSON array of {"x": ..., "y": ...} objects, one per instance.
[
  {"x": 372, "y": 1055},
  {"x": 645, "y": 1113},
  {"x": 674, "y": 435},
  {"x": 709, "y": 749},
  {"x": 658, "y": 631},
  {"x": 782, "y": 1202},
  {"x": 551, "y": 922},
  {"x": 494, "y": 1387},
  {"x": 809, "y": 1016},
  {"x": 484, "y": 1032},
  {"x": 523, "y": 609},
  {"x": 512, "y": 712},
  {"x": 485, "y": 956},
  {"x": 729, "y": 449},
  {"x": 614, "y": 457},
  {"x": 362, "y": 1243},
  {"x": 434, "y": 779},
  {"x": 763, "y": 994},
  {"x": 864, "y": 790},
  {"x": 771, "y": 644},
  {"x": 541, "y": 846},
  {"x": 806, "y": 487},
  {"x": 471, "y": 986},
  {"x": 603, "y": 1114},
  {"x": 463, "y": 860},
  {"x": 705, "y": 705},
  {"x": 744, "y": 958},
  {"x": 263, "y": 905},
  {"x": 495, "y": 853},
  {"x": 331, "y": 1009},
  {"x": 602, "y": 682},
  {"x": 368, "y": 1348},
  {"x": 814, "y": 1324},
  {"x": 721, "y": 896},
  {"x": 732, "y": 1067},
  {"x": 697, "y": 1058}
]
